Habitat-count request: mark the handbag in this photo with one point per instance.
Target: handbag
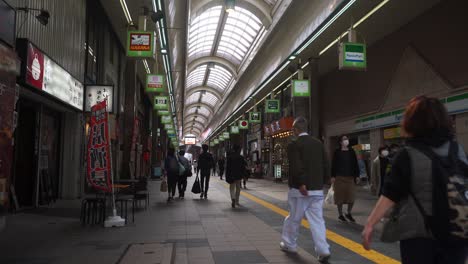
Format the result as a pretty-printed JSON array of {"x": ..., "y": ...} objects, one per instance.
[
  {"x": 330, "y": 198},
  {"x": 390, "y": 230},
  {"x": 196, "y": 188},
  {"x": 163, "y": 187}
]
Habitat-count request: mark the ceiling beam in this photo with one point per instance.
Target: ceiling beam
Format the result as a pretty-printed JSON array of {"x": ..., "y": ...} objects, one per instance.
[
  {"x": 196, "y": 115},
  {"x": 207, "y": 106},
  {"x": 208, "y": 89},
  {"x": 216, "y": 60}
]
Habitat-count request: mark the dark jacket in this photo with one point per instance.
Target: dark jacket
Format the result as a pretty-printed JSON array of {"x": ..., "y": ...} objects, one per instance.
[
  {"x": 308, "y": 163},
  {"x": 345, "y": 164},
  {"x": 205, "y": 163},
  {"x": 235, "y": 167},
  {"x": 171, "y": 166}
]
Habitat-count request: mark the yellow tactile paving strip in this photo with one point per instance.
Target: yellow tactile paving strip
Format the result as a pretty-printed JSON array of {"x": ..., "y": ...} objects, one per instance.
[{"x": 357, "y": 248}]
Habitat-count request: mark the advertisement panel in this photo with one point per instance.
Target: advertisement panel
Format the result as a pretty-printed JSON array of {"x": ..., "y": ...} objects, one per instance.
[
  {"x": 47, "y": 76},
  {"x": 140, "y": 44},
  {"x": 99, "y": 167},
  {"x": 189, "y": 141},
  {"x": 272, "y": 106},
  {"x": 161, "y": 102},
  {"x": 301, "y": 88},
  {"x": 154, "y": 83},
  {"x": 98, "y": 93}
]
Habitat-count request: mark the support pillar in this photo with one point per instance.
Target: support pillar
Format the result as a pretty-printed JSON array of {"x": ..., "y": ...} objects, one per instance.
[
  {"x": 129, "y": 116},
  {"x": 314, "y": 99}
]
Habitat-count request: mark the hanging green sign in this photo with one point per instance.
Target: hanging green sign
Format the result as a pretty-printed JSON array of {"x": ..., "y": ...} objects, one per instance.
[
  {"x": 154, "y": 83},
  {"x": 163, "y": 112},
  {"x": 352, "y": 56},
  {"x": 221, "y": 138},
  {"x": 140, "y": 44},
  {"x": 166, "y": 120},
  {"x": 301, "y": 88},
  {"x": 161, "y": 102},
  {"x": 212, "y": 144},
  {"x": 168, "y": 126},
  {"x": 255, "y": 117},
  {"x": 216, "y": 141},
  {"x": 234, "y": 130},
  {"x": 272, "y": 106},
  {"x": 170, "y": 131},
  {"x": 243, "y": 124},
  {"x": 226, "y": 135}
]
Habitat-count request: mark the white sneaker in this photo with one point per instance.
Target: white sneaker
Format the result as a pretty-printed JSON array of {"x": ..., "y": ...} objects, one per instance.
[{"x": 286, "y": 248}]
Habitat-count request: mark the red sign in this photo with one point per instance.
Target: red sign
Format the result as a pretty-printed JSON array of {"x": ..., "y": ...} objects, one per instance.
[
  {"x": 99, "y": 156},
  {"x": 35, "y": 67},
  {"x": 140, "y": 42}
]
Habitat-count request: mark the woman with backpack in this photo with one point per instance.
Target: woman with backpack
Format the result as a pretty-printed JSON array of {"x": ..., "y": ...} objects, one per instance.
[
  {"x": 417, "y": 192},
  {"x": 171, "y": 166}
]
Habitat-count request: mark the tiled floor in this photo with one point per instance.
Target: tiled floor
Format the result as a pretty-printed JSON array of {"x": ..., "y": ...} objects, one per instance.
[{"x": 183, "y": 231}]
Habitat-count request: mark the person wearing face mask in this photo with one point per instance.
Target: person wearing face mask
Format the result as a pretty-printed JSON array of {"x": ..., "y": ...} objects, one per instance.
[
  {"x": 378, "y": 170},
  {"x": 345, "y": 172}
]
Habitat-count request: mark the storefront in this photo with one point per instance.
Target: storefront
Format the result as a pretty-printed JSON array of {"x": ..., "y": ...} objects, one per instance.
[
  {"x": 49, "y": 131},
  {"x": 280, "y": 133}
]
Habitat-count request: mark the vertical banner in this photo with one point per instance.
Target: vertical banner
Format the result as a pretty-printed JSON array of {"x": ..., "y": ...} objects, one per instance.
[{"x": 99, "y": 156}]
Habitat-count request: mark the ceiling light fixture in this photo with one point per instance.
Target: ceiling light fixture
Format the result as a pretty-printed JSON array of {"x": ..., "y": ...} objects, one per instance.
[
  {"x": 230, "y": 5},
  {"x": 123, "y": 3}
]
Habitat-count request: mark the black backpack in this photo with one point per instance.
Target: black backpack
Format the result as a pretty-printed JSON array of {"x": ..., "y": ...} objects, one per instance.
[{"x": 449, "y": 221}]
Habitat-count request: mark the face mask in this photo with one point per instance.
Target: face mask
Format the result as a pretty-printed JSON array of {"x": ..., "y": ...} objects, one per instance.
[
  {"x": 345, "y": 142},
  {"x": 385, "y": 153}
]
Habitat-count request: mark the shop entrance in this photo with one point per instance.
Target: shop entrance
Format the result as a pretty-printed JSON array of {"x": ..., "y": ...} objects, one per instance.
[
  {"x": 37, "y": 159},
  {"x": 25, "y": 156}
]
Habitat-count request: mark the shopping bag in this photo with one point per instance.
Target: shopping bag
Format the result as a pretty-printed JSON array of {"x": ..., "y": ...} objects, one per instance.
[
  {"x": 196, "y": 188},
  {"x": 163, "y": 187},
  {"x": 330, "y": 198}
]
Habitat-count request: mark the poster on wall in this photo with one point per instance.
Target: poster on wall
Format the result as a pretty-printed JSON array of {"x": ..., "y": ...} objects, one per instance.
[
  {"x": 140, "y": 44},
  {"x": 98, "y": 93},
  {"x": 99, "y": 170},
  {"x": 154, "y": 83},
  {"x": 44, "y": 74}
]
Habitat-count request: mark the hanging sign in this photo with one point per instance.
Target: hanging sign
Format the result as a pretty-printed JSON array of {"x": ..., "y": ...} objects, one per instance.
[
  {"x": 168, "y": 126},
  {"x": 171, "y": 131},
  {"x": 216, "y": 141},
  {"x": 154, "y": 83},
  {"x": 272, "y": 106},
  {"x": 161, "y": 102},
  {"x": 352, "y": 56},
  {"x": 140, "y": 44},
  {"x": 243, "y": 124},
  {"x": 300, "y": 88},
  {"x": 42, "y": 73},
  {"x": 189, "y": 141},
  {"x": 99, "y": 157},
  {"x": 212, "y": 144},
  {"x": 166, "y": 120},
  {"x": 234, "y": 130},
  {"x": 226, "y": 135},
  {"x": 255, "y": 117},
  {"x": 98, "y": 93},
  {"x": 221, "y": 138},
  {"x": 163, "y": 113}
]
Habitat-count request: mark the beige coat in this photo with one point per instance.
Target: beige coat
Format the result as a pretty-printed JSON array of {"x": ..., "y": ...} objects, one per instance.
[{"x": 375, "y": 176}]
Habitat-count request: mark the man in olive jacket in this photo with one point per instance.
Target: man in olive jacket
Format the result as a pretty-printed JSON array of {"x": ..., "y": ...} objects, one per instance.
[{"x": 308, "y": 173}]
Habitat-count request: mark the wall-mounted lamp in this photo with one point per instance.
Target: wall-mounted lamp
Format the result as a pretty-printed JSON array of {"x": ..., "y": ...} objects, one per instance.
[{"x": 43, "y": 16}]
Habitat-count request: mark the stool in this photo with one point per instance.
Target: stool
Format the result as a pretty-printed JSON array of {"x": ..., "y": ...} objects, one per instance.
[
  {"x": 93, "y": 211},
  {"x": 124, "y": 207}
]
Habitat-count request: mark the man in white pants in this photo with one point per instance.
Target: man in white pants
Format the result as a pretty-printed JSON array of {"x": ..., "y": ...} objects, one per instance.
[{"x": 308, "y": 172}]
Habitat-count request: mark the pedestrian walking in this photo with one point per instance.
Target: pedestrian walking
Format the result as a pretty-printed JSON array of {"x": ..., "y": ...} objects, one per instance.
[
  {"x": 236, "y": 168},
  {"x": 308, "y": 172},
  {"x": 345, "y": 174},
  {"x": 205, "y": 165},
  {"x": 171, "y": 167},
  {"x": 425, "y": 211},
  {"x": 182, "y": 182},
  {"x": 378, "y": 170},
  {"x": 221, "y": 162}
]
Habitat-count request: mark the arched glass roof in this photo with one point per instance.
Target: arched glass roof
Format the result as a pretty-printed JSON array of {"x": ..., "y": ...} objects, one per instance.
[
  {"x": 217, "y": 34},
  {"x": 203, "y": 32},
  {"x": 196, "y": 77}
]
